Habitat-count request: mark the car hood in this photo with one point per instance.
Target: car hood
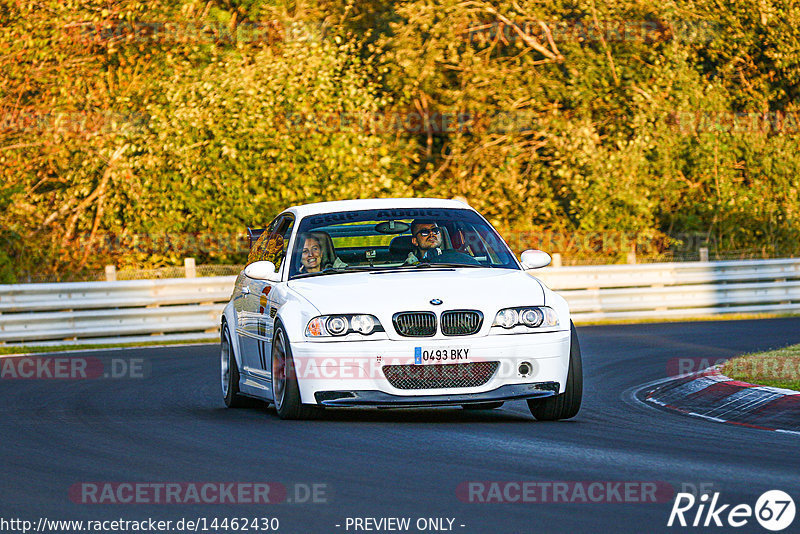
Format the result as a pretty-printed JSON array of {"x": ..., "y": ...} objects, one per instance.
[{"x": 393, "y": 291}]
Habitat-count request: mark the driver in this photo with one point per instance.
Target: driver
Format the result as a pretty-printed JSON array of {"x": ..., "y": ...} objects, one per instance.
[{"x": 426, "y": 236}]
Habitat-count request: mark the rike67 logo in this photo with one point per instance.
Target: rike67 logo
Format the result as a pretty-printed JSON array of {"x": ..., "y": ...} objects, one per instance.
[{"x": 774, "y": 510}]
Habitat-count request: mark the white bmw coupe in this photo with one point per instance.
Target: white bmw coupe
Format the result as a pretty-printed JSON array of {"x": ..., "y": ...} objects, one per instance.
[{"x": 395, "y": 303}]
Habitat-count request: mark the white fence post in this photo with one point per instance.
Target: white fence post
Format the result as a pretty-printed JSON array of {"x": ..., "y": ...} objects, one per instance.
[{"x": 190, "y": 268}]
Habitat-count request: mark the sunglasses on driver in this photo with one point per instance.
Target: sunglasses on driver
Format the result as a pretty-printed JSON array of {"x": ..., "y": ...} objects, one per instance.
[{"x": 428, "y": 231}]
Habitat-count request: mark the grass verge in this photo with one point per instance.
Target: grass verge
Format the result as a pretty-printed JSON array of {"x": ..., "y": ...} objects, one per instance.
[{"x": 777, "y": 368}]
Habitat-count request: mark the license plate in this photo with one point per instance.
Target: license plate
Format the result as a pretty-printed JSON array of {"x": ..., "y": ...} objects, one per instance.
[{"x": 428, "y": 355}]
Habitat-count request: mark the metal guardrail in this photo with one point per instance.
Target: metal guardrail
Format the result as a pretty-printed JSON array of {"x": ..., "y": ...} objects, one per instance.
[
  {"x": 673, "y": 290},
  {"x": 78, "y": 313},
  {"x": 189, "y": 308}
]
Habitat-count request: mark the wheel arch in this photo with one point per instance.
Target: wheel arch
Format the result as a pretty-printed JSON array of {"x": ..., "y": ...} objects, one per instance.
[
  {"x": 293, "y": 333},
  {"x": 227, "y": 319},
  {"x": 294, "y": 314}
]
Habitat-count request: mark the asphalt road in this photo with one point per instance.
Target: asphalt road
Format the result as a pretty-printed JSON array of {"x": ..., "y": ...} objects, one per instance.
[{"x": 171, "y": 426}]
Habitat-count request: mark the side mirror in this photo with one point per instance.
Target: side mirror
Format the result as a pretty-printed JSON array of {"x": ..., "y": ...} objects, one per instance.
[
  {"x": 534, "y": 259},
  {"x": 262, "y": 270}
]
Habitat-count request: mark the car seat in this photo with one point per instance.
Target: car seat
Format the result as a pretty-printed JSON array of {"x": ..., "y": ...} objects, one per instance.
[{"x": 399, "y": 247}]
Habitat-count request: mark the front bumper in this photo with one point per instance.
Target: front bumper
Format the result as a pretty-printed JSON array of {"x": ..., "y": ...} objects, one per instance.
[
  {"x": 386, "y": 400},
  {"x": 354, "y": 369}
]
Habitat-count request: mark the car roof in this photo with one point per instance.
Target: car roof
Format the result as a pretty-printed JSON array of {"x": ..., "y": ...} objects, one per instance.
[{"x": 305, "y": 210}]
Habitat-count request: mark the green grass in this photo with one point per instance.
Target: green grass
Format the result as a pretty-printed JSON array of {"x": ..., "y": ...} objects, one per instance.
[
  {"x": 22, "y": 349},
  {"x": 777, "y": 368}
]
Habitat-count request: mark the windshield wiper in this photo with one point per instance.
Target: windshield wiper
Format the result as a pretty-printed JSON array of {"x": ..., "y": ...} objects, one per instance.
[
  {"x": 428, "y": 265},
  {"x": 333, "y": 270}
]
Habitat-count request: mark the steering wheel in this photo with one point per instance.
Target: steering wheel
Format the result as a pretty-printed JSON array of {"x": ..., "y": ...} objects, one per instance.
[{"x": 454, "y": 256}]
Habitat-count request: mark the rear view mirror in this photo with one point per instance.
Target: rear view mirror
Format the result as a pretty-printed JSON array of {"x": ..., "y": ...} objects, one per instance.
[
  {"x": 262, "y": 270},
  {"x": 392, "y": 227},
  {"x": 534, "y": 259}
]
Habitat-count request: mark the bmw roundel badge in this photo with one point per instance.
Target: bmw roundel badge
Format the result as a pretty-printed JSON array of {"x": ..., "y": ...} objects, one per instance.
[{"x": 436, "y": 302}]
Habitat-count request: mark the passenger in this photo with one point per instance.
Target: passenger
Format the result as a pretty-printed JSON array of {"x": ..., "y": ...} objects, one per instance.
[
  {"x": 315, "y": 256},
  {"x": 426, "y": 237},
  {"x": 311, "y": 257}
]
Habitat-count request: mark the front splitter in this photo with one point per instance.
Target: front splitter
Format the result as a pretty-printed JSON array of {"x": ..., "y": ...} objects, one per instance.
[{"x": 381, "y": 399}]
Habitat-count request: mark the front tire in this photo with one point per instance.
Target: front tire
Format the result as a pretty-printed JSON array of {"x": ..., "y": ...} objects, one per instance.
[
  {"x": 565, "y": 405},
  {"x": 285, "y": 391},
  {"x": 229, "y": 372}
]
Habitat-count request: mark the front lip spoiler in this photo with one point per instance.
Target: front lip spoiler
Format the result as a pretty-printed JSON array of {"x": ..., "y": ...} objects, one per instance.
[{"x": 387, "y": 400}]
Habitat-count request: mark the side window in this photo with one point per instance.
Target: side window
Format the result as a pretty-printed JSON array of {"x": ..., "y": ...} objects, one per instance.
[
  {"x": 260, "y": 246},
  {"x": 272, "y": 244}
]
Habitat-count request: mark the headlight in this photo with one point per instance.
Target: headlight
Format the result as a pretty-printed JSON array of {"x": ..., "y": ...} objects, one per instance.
[
  {"x": 363, "y": 324},
  {"x": 506, "y": 318},
  {"x": 336, "y": 325},
  {"x": 532, "y": 317},
  {"x": 340, "y": 325}
]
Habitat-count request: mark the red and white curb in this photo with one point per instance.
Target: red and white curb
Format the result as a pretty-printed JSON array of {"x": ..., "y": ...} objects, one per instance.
[{"x": 716, "y": 397}]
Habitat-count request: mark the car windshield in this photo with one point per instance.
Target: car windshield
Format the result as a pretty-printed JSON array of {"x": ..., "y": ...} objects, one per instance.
[{"x": 396, "y": 239}]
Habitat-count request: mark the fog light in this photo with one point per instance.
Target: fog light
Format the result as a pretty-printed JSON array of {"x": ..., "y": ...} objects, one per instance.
[{"x": 525, "y": 369}]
